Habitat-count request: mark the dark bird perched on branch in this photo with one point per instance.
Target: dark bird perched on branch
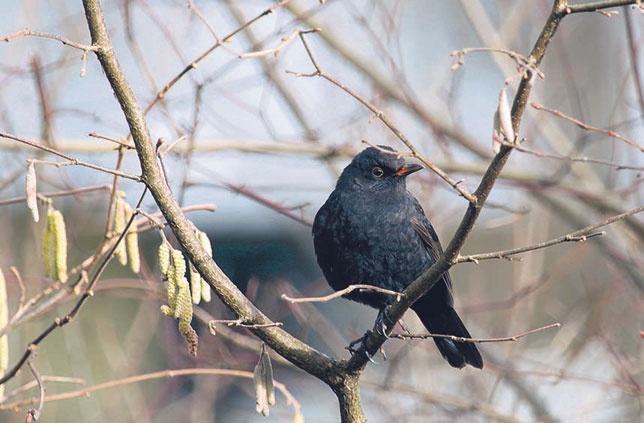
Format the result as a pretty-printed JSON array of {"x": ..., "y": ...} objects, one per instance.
[{"x": 371, "y": 230}]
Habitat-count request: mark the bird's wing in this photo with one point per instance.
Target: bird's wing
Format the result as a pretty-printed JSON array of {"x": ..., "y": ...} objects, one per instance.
[{"x": 429, "y": 237}]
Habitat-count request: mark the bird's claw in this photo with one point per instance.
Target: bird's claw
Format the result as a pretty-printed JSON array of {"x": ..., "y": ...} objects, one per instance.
[
  {"x": 353, "y": 349},
  {"x": 382, "y": 351},
  {"x": 382, "y": 321},
  {"x": 381, "y": 329},
  {"x": 352, "y": 345},
  {"x": 404, "y": 326}
]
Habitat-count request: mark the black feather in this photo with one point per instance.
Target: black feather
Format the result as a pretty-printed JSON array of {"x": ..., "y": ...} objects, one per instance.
[{"x": 371, "y": 230}]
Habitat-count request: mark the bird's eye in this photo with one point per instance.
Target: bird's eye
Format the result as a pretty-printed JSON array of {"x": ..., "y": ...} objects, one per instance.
[{"x": 377, "y": 172}]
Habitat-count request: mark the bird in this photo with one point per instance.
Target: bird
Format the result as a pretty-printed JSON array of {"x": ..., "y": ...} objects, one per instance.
[{"x": 372, "y": 230}]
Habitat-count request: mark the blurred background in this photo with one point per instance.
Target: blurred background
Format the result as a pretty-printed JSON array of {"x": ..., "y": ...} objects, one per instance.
[{"x": 265, "y": 143}]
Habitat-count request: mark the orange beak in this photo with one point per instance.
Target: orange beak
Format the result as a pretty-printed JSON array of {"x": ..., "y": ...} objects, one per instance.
[{"x": 408, "y": 168}]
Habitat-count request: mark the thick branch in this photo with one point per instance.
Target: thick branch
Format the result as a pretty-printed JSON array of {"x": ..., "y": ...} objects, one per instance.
[
  {"x": 299, "y": 353},
  {"x": 348, "y": 393}
]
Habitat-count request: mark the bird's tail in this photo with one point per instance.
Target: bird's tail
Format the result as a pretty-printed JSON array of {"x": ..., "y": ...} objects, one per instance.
[{"x": 447, "y": 322}]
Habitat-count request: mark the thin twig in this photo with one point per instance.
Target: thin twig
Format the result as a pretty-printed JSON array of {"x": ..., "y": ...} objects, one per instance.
[
  {"x": 290, "y": 399},
  {"x": 35, "y": 413},
  {"x": 29, "y": 33},
  {"x": 154, "y": 218},
  {"x": 274, "y": 75},
  {"x": 110, "y": 139},
  {"x": 378, "y": 114},
  {"x": 72, "y": 161},
  {"x": 578, "y": 236},
  {"x": 44, "y": 102},
  {"x": 523, "y": 149},
  {"x": 340, "y": 293},
  {"x": 521, "y": 61},
  {"x": 587, "y": 127},
  {"x": 202, "y": 18},
  {"x": 31, "y": 384},
  {"x": 21, "y": 284},
  {"x": 275, "y": 50},
  {"x": 22, "y": 310},
  {"x": 286, "y": 211},
  {"x": 220, "y": 41},
  {"x": 596, "y": 6},
  {"x": 475, "y": 340},
  {"x": 65, "y": 193}
]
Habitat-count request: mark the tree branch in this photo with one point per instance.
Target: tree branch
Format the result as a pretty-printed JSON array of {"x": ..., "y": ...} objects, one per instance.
[
  {"x": 290, "y": 399},
  {"x": 513, "y": 338},
  {"x": 340, "y": 293},
  {"x": 587, "y": 127},
  {"x": 578, "y": 236},
  {"x": 596, "y": 6},
  {"x": 299, "y": 353},
  {"x": 29, "y": 33},
  {"x": 72, "y": 161}
]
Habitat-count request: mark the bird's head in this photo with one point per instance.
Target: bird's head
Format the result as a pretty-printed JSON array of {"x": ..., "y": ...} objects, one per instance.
[{"x": 376, "y": 169}]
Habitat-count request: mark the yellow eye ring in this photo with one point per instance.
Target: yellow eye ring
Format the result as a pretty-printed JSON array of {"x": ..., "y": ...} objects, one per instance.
[{"x": 377, "y": 172}]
